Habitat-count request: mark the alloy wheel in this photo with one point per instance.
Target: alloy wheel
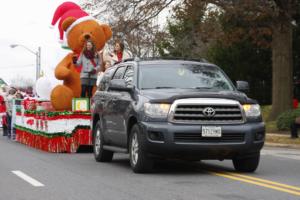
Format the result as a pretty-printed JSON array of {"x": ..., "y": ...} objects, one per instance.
[
  {"x": 134, "y": 149},
  {"x": 97, "y": 142}
]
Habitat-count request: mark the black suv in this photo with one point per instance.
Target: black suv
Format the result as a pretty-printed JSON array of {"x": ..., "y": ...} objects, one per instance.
[{"x": 160, "y": 109}]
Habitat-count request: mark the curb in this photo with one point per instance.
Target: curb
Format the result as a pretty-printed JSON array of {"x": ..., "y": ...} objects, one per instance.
[{"x": 280, "y": 145}]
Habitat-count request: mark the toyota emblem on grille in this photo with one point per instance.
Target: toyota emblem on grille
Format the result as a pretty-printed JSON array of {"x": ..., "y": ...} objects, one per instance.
[{"x": 209, "y": 112}]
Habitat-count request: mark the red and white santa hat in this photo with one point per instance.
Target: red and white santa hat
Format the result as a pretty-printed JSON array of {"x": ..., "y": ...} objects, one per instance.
[{"x": 65, "y": 10}]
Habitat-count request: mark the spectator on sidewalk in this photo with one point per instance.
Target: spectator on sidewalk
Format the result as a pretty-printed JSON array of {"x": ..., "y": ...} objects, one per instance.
[
  {"x": 294, "y": 128},
  {"x": 3, "y": 94},
  {"x": 295, "y": 103},
  {"x": 4, "y": 124},
  {"x": 2, "y": 103},
  {"x": 9, "y": 105}
]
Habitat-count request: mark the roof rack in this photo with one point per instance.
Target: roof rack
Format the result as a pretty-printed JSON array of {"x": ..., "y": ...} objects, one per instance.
[
  {"x": 174, "y": 58},
  {"x": 128, "y": 59},
  {"x": 164, "y": 58}
]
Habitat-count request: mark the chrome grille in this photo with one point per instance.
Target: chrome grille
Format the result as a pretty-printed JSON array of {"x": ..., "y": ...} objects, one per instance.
[
  {"x": 191, "y": 111},
  {"x": 196, "y": 137}
]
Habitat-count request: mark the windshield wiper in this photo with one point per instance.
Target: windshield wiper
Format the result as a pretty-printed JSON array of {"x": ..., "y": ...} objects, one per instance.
[
  {"x": 164, "y": 87},
  {"x": 202, "y": 88}
]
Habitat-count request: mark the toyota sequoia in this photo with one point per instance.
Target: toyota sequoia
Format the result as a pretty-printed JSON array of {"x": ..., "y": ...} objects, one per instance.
[{"x": 175, "y": 109}]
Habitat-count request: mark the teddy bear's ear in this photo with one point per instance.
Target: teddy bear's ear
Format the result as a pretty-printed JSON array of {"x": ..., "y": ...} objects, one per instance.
[
  {"x": 107, "y": 31},
  {"x": 67, "y": 23}
]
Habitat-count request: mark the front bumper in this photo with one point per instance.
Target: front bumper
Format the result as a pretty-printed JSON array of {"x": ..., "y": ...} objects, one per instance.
[{"x": 168, "y": 146}]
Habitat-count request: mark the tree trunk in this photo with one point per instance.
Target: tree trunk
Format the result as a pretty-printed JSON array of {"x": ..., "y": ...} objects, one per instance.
[{"x": 282, "y": 63}]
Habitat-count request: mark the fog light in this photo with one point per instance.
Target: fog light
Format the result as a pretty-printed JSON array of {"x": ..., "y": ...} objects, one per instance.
[
  {"x": 259, "y": 136},
  {"x": 156, "y": 136}
]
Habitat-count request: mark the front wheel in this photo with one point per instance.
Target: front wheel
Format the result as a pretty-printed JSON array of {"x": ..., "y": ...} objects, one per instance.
[
  {"x": 246, "y": 164},
  {"x": 100, "y": 154},
  {"x": 139, "y": 161}
]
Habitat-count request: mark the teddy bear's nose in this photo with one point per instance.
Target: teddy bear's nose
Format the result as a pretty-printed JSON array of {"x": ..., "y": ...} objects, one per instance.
[{"x": 87, "y": 36}]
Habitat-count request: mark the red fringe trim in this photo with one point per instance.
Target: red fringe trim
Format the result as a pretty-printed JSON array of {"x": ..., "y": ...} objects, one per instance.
[{"x": 57, "y": 144}]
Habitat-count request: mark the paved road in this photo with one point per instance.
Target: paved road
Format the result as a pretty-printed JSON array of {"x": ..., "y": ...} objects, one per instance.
[{"x": 78, "y": 176}]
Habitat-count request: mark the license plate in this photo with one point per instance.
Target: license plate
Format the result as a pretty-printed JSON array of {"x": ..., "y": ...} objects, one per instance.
[{"x": 211, "y": 131}]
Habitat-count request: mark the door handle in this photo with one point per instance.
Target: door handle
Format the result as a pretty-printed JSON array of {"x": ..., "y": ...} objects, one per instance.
[
  {"x": 101, "y": 100},
  {"x": 114, "y": 101}
]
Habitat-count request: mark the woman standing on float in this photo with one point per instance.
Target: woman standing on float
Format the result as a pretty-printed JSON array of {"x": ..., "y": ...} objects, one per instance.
[
  {"x": 119, "y": 53},
  {"x": 90, "y": 62}
]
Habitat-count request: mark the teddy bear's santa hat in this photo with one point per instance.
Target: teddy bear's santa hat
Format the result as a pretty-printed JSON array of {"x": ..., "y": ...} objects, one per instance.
[{"x": 65, "y": 10}]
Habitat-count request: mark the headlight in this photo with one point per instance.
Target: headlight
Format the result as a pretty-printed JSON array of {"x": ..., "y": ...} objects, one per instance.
[
  {"x": 252, "y": 110},
  {"x": 157, "y": 110}
]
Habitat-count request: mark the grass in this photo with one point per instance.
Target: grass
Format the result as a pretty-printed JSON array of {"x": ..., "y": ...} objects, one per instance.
[
  {"x": 282, "y": 139},
  {"x": 271, "y": 126},
  {"x": 265, "y": 111}
]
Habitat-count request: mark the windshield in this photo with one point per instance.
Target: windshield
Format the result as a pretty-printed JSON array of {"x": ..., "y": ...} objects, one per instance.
[{"x": 188, "y": 76}]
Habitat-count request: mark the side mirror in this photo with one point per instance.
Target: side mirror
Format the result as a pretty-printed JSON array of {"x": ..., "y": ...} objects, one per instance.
[
  {"x": 242, "y": 86},
  {"x": 119, "y": 85}
]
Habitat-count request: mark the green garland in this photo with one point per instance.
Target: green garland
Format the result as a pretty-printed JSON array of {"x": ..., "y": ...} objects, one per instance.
[
  {"x": 53, "y": 113},
  {"x": 49, "y": 135}
]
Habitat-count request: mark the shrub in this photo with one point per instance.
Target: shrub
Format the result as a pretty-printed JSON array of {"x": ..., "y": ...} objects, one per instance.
[{"x": 285, "y": 119}]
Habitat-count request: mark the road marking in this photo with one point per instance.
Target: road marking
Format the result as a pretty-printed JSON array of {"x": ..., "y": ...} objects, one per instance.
[
  {"x": 265, "y": 181},
  {"x": 28, "y": 179},
  {"x": 260, "y": 182}
]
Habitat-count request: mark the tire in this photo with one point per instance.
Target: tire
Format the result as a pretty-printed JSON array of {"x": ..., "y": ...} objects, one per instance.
[
  {"x": 246, "y": 164},
  {"x": 100, "y": 154},
  {"x": 139, "y": 162}
]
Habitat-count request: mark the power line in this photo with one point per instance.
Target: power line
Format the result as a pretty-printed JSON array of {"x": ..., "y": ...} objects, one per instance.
[{"x": 17, "y": 66}]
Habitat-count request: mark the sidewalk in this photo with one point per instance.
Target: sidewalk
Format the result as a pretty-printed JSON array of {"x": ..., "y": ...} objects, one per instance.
[{"x": 282, "y": 140}]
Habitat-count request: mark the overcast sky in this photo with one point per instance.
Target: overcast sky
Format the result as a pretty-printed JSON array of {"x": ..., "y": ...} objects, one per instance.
[{"x": 27, "y": 22}]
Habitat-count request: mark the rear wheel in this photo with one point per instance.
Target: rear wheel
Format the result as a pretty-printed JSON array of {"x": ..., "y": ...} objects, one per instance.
[
  {"x": 100, "y": 154},
  {"x": 246, "y": 164},
  {"x": 139, "y": 161}
]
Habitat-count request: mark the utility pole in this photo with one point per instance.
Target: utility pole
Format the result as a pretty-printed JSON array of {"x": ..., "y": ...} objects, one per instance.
[
  {"x": 37, "y": 59},
  {"x": 38, "y": 63}
]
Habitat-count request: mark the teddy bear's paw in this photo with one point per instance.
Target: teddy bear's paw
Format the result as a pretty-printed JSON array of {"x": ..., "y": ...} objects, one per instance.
[
  {"x": 61, "y": 98},
  {"x": 62, "y": 73}
]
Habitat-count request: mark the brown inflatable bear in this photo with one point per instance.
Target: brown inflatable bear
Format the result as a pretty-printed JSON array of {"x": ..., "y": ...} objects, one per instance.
[{"x": 78, "y": 27}]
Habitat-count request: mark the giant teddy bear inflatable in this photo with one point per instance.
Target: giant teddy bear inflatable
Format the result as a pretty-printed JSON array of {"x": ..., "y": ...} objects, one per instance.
[{"x": 78, "y": 27}]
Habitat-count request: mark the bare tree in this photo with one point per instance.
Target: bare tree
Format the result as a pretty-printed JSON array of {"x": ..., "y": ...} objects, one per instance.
[
  {"x": 134, "y": 21},
  {"x": 268, "y": 19},
  {"x": 21, "y": 83}
]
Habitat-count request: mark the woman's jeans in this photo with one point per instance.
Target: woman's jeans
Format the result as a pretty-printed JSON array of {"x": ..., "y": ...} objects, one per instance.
[{"x": 86, "y": 91}]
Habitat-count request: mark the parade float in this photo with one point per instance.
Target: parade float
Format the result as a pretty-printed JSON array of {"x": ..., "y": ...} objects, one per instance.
[
  {"x": 62, "y": 124},
  {"x": 54, "y": 131}
]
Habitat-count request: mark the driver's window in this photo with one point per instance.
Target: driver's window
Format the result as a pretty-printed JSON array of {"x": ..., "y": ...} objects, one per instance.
[
  {"x": 103, "y": 86},
  {"x": 119, "y": 73},
  {"x": 128, "y": 76}
]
